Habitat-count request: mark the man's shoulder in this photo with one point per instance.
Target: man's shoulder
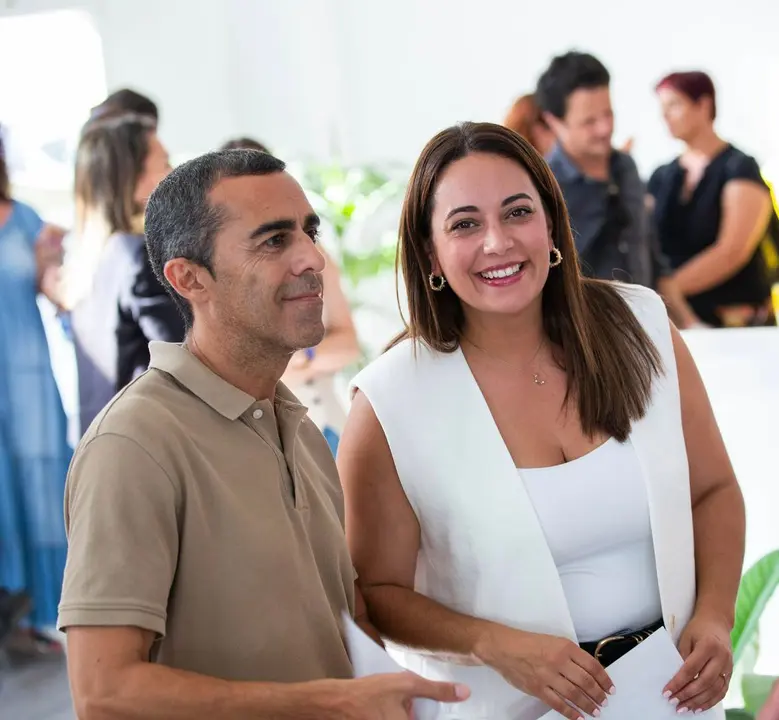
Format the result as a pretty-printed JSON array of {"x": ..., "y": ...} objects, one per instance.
[
  {"x": 149, "y": 411},
  {"x": 624, "y": 161}
]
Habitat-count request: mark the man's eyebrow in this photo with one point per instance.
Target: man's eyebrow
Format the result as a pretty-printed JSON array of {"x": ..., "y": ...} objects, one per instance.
[
  {"x": 273, "y": 226},
  {"x": 312, "y": 221}
]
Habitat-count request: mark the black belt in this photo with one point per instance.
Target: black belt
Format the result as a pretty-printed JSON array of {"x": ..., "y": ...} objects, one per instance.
[{"x": 612, "y": 648}]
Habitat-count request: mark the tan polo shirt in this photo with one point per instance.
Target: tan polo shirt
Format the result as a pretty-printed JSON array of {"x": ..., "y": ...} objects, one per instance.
[{"x": 214, "y": 520}]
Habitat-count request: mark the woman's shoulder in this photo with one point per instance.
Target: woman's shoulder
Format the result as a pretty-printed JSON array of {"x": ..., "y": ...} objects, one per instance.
[
  {"x": 662, "y": 175},
  {"x": 400, "y": 363},
  {"x": 650, "y": 310},
  {"x": 739, "y": 165},
  {"x": 646, "y": 304},
  {"x": 25, "y": 217}
]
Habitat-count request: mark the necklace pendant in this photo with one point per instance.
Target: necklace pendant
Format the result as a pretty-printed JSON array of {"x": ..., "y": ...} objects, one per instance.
[{"x": 537, "y": 380}]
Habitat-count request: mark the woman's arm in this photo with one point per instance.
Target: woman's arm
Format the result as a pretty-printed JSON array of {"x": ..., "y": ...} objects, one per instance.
[
  {"x": 384, "y": 539},
  {"x": 48, "y": 259},
  {"x": 339, "y": 347},
  {"x": 746, "y": 207},
  {"x": 719, "y": 527}
]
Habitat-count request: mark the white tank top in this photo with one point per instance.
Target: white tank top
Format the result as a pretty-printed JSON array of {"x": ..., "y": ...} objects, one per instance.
[{"x": 600, "y": 537}]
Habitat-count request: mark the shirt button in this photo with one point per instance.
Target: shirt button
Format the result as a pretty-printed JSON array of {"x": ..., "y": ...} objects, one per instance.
[{"x": 257, "y": 414}]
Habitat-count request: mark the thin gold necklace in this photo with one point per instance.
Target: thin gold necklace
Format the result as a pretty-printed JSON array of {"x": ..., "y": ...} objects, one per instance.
[{"x": 537, "y": 379}]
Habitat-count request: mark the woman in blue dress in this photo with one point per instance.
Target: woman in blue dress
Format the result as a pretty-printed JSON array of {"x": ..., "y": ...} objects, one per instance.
[{"x": 34, "y": 453}]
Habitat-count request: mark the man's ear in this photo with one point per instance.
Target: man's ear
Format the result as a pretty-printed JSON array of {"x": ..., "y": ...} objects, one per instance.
[
  {"x": 554, "y": 123},
  {"x": 188, "y": 279}
]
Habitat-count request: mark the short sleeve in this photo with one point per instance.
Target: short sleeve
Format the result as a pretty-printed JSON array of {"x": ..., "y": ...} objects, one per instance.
[
  {"x": 30, "y": 222},
  {"x": 743, "y": 167},
  {"x": 121, "y": 521}
]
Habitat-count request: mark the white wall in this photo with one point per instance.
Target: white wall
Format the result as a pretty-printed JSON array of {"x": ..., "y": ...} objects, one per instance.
[{"x": 376, "y": 80}]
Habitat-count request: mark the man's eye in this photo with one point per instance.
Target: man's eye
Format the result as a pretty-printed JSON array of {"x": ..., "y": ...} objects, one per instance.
[
  {"x": 275, "y": 241},
  {"x": 314, "y": 233}
]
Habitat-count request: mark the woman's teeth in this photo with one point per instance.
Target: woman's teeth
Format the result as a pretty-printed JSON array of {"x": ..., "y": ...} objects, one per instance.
[{"x": 502, "y": 273}]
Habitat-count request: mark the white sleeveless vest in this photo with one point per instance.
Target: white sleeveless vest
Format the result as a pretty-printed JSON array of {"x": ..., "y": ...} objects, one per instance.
[{"x": 483, "y": 552}]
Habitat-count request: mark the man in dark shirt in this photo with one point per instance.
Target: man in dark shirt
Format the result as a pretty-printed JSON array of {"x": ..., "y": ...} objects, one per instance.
[{"x": 602, "y": 188}]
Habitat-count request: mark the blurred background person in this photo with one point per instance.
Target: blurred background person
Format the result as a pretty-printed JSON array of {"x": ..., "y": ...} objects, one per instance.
[
  {"x": 125, "y": 100},
  {"x": 311, "y": 373},
  {"x": 712, "y": 209},
  {"x": 117, "y": 305},
  {"x": 244, "y": 143},
  {"x": 34, "y": 453},
  {"x": 606, "y": 198},
  {"x": 524, "y": 118}
]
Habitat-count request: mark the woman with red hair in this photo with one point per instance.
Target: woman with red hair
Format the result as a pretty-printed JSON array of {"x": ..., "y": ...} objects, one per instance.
[
  {"x": 524, "y": 118},
  {"x": 712, "y": 209}
]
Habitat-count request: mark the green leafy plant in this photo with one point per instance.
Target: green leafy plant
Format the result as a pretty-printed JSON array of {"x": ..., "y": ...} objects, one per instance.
[{"x": 757, "y": 587}]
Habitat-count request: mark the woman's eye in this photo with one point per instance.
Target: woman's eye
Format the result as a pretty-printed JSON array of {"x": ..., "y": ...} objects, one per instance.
[
  {"x": 463, "y": 225},
  {"x": 520, "y": 212}
]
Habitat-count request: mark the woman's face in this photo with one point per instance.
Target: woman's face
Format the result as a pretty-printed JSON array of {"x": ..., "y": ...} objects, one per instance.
[
  {"x": 683, "y": 116},
  {"x": 155, "y": 167},
  {"x": 491, "y": 237}
]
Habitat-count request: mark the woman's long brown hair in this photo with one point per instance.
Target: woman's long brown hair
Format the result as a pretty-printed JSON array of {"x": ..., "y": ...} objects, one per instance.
[
  {"x": 110, "y": 160},
  {"x": 609, "y": 359}
]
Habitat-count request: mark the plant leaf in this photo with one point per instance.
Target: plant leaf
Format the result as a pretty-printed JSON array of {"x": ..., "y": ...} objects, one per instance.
[
  {"x": 736, "y": 714},
  {"x": 757, "y": 586}
]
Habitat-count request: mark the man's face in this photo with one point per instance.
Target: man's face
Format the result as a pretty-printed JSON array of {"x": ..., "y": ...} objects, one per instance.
[
  {"x": 588, "y": 125},
  {"x": 267, "y": 290}
]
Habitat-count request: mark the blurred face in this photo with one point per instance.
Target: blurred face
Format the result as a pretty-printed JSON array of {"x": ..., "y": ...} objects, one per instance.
[
  {"x": 155, "y": 168},
  {"x": 491, "y": 238},
  {"x": 543, "y": 138},
  {"x": 588, "y": 125},
  {"x": 267, "y": 284},
  {"x": 683, "y": 116}
]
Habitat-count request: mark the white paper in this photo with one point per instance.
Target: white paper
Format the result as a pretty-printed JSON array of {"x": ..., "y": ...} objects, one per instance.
[
  {"x": 639, "y": 678},
  {"x": 370, "y": 659}
]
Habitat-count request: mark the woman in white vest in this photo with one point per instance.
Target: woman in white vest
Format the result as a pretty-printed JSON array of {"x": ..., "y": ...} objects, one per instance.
[{"x": 534, "y": 478}]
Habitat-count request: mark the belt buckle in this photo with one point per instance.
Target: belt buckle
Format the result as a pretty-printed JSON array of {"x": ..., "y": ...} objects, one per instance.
[{"x": 603, "y": 643}]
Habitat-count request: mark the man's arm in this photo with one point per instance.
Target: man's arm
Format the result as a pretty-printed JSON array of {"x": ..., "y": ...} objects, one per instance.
[
  {"x": 122, "y": 522},
  {"x": 112, "y": 679}
]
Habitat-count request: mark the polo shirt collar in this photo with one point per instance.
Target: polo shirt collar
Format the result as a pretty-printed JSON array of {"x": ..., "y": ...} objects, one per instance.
[
  {"x": 565, "y": 168},
  {"x": 200, "y": 380}
]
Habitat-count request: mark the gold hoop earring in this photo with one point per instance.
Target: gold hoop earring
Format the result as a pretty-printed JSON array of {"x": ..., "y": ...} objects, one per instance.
[
  {"x": 436, "y": 282},
  {"x": 558, "y": 257}
]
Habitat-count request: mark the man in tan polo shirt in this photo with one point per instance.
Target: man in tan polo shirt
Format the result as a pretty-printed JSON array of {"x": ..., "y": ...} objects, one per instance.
[{"x": 207, "y": 568}]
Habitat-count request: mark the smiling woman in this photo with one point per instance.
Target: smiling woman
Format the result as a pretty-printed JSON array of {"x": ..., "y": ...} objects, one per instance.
[{"x": 533, "y": 466}]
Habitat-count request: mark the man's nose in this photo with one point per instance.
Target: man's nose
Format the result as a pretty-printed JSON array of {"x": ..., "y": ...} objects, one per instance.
[{"x": 308, "y": 256}]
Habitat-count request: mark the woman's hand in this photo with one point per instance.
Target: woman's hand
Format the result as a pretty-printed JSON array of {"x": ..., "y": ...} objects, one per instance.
[
  {"x": 48, "y": 247},
  {"x": 553, "y": 669},
  {"x": 48, "y": 257},
  {"x": 708, "y": 664}
]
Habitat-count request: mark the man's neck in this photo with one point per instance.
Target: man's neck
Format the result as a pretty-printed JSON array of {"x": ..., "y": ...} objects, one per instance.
[
  {"x": 593, "y": 166},
  {"x": 254, "y": 372}
]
